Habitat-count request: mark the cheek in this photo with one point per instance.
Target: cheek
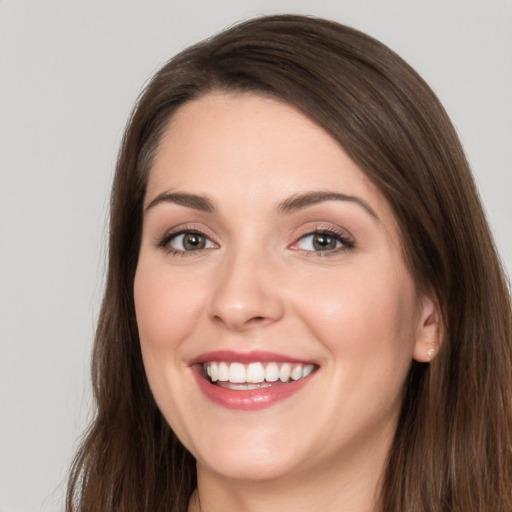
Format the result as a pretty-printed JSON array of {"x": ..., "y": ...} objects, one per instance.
[
  {"x": 166, "y": 309},
  {"x": 364, "y": 316},
  {"x": 166, "y": 312}
]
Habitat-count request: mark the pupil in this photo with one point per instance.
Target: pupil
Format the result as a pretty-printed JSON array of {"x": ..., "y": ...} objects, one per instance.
[
  {"x": 324, "y": 242},
  {"x": 193, "y": 242}
]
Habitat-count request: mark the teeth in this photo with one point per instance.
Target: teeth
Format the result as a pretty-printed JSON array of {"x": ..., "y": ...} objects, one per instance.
[
  {"x": 237, "y": 373},
  {"x": 223, "y": 375},
  {"x": 286, "y": 371},
  {"x": 307, "y": 370},
  {"x": 272, "y": 372},
  {"x": 213, "y": 372},
  {"x": 256, "y": 373},
  {"x": 296, "y": 373}
]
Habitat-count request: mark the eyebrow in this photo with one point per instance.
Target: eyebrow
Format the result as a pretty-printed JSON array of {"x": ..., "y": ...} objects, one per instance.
[
  {"x": 290, "y": 205},
  {"x": 301, "y": 201},
  {"x": 194, "y": 201}
]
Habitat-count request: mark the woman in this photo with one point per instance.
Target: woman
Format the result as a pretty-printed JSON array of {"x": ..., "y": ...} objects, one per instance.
[{"x": 304, "y": 307}]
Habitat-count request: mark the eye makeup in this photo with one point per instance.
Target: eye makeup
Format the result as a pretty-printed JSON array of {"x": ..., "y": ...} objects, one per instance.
[{"x": 320, "y": 241}]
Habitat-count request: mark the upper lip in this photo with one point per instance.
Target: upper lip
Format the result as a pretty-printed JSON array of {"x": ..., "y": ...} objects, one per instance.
[{"x": 253, "y": 356}]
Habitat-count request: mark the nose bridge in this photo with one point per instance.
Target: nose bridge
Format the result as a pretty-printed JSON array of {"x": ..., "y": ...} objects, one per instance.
[{"x": 244, "y": 294}]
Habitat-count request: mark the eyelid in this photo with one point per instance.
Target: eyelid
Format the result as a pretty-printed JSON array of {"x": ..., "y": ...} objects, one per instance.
[{"x": 340, "y": 234}]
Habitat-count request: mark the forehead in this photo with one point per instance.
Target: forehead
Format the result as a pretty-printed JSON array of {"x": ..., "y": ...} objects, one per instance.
[{"x": 259, "y": 148}]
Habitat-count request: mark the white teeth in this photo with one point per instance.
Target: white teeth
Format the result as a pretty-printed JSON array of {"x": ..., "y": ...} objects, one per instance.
[
  {"x": 286, "y": 371},
  {"x": 307, "y": 370},
  {"x": 213, "y": 372},
  {"x": 272, "y": 372},
  {"x": 296, "y": 372},
  {"x": 256, "y": 373},
  {"x": 223, "y": 375},
  {"x": 236, "y": 373}
]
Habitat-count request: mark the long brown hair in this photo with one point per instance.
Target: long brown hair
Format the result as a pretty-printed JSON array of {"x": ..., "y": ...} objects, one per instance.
[{"x": 453, "y": 446}]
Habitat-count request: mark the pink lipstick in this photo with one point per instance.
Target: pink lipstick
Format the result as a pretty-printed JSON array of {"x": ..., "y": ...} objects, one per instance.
[{"x": 250, "y": 380}]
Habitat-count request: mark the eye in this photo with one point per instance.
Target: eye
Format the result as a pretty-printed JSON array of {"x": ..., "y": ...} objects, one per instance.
[
  {"x": 323, "y": 241},
  {"x": 186, "y": 241}
]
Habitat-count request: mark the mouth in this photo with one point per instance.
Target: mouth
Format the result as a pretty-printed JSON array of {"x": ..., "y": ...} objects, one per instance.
[
  {"x": 256, "y": 375},
  {"x": 250, "y": 381}
]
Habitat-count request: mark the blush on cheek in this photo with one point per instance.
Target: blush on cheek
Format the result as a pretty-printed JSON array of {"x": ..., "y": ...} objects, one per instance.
[
  {"x": 366, "y": 321},
  {"x": 164, "y": 317}
]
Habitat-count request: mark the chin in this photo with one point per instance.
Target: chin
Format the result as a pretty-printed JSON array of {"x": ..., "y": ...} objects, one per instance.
[
  {"x": 258, "y": 455},
  {"x": 249, "y": 467}
]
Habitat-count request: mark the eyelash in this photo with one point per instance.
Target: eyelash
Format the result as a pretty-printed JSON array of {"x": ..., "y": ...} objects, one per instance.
[{"x": 346, "y": 241}]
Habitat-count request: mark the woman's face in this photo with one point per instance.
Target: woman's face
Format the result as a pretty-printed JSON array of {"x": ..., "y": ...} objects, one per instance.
[{"x": 270, "y": 262}]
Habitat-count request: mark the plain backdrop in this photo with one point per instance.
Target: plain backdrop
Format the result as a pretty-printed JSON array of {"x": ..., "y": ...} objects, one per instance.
[{"x": 69, "y": 74}]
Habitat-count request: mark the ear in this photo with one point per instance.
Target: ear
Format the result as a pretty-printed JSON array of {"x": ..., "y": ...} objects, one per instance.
[{"x": 429, "y": 332}]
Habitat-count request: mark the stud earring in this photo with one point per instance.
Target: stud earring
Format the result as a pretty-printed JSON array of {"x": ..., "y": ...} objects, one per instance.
[{"x": 431, "y": 352}]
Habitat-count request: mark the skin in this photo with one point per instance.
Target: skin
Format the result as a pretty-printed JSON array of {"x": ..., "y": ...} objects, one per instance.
[{"x": 260, "y": 284}]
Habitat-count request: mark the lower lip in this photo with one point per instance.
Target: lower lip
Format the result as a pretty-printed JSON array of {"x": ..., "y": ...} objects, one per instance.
[{"x": 248, "y": 399}]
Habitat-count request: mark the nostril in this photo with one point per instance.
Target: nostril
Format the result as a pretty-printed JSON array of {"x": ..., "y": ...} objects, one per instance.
[
  {"x": 259, "y": 321},
  {"x": 241, "y": 323}
]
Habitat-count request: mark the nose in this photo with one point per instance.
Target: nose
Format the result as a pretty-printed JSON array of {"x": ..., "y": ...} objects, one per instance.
[{"x": 245, "y": 294}]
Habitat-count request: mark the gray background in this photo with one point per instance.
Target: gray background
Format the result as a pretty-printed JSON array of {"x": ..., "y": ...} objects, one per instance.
[{"x": 69, "y": 74}]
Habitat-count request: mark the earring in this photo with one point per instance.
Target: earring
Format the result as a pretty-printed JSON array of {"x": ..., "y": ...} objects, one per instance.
[{"x": 431, "y": 352}]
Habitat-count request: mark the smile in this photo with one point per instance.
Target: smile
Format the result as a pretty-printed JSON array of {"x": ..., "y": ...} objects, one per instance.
[
  {"x": 256, "y": 375},
  {"x": 252, "y": 380}
]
